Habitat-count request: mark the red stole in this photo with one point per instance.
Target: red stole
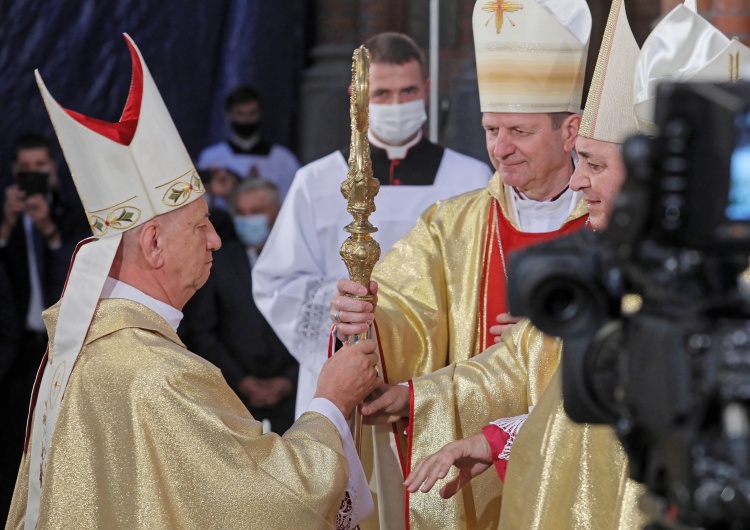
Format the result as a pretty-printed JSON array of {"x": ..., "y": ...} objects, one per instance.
[{"x": 494, "y": 299}]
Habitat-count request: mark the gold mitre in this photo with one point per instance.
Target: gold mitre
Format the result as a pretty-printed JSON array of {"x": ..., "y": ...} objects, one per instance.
[
  {"x": 684, "y": 46},
  {"x": 608, "y": 115},
  {"x": 531, "y": 54},
  {"x": 132, "y": 170}
]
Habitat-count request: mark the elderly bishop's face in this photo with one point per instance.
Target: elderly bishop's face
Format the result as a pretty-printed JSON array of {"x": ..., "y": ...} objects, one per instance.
[
  {"x": 189, "y": 240},
  {"x": 599, "y": 174}
]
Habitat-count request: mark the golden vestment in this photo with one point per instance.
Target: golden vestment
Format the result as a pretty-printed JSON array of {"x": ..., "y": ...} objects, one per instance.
[
  {"x": 149, "y": 435},
  {"x": 429, "y": 303},
  {"x": 430, "y": 314},
  {"x": 457, "y": 401},
  {"x": 568, "y": 475}
]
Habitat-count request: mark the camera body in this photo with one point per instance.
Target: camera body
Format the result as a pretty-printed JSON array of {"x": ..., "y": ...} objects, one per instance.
[
  {"x": 672, "y": 377},
  {"x": 695, "y": 176}
]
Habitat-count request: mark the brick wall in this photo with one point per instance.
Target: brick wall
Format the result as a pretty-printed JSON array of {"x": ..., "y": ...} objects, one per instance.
[
  {"x": 336, "y": 21},
  {"x": 730, "y": 16},
  {"x": 352, "y": 22}
]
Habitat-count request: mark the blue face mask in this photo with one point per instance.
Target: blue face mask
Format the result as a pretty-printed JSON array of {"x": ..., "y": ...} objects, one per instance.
[
  {"x": 252, "y": 229},
  {"x": 219, "y": 203}
]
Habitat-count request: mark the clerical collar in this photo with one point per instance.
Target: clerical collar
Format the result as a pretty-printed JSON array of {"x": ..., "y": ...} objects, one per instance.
[
  {"x": 114, "y": 288},
  {"x": 395, "y": 152},
  {"x": 541, "y": 216},
  {"x": 246, "y": 144},
  {"x": 522, "y": 196}
]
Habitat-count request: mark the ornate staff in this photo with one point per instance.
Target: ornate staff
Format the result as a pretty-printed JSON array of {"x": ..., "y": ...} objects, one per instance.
[{"x": 360, "y": 251}]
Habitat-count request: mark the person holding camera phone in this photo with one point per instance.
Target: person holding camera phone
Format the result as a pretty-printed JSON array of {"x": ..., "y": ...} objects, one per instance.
[
  {"x": 38, "y": 233},
  {"x": 35, "y": 172}
]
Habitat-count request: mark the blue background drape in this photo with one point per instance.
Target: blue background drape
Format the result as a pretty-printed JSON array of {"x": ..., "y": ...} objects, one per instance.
[{"x": 196, "y": 51}]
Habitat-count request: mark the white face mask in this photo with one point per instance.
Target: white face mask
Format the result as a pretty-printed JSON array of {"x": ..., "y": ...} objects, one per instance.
[{"x": 397, "y": 122}]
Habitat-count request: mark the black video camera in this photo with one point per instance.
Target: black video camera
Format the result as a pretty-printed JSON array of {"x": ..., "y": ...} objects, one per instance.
[{"x": 673, "y": 376}]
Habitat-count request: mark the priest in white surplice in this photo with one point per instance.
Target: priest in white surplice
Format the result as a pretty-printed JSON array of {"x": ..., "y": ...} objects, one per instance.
[{"x": 295, "y": 276}]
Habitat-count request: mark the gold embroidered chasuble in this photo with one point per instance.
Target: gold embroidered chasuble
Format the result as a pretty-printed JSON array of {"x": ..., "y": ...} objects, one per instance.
[
  {"x": 149, "y": 435},
  {"x": 567, "y": 475},
  {"x": 429, "y": 315},
  {"x": 429, "y": 303},
  {"x": 457, "y": 401}
]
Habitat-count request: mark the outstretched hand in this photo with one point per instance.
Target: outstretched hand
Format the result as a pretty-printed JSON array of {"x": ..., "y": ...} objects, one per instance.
[
  {"x": 472, "y": 456},
  {"x": 386, "y": 404}
]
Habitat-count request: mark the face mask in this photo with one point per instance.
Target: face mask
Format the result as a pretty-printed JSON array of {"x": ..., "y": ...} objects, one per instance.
[
  {"x": 396, "y": 123},
  {"x": 252, "y": 229},
  {"x": 245, "y": 129},
  {"x": 219, "y": 203}
]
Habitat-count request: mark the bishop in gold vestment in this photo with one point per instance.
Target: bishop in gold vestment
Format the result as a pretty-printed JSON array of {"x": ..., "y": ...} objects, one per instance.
[
  {"x": 149, "y": 435},
  {"x": 129, "y": 430},
  {"x": 509, "y": 382},
  {"x": 442, "y": 286},
  {"x": 506, "y": 380},
  {"x": 566, "y": 475}
]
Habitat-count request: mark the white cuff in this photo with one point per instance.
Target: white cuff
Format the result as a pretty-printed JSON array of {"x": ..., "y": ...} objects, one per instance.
[
  {"x": 332, "y": 412},
  {"x": 358, "y": 488}
]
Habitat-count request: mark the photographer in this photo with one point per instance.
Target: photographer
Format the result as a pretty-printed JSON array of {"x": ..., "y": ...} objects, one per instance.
[{"x": 38, "y": 233}]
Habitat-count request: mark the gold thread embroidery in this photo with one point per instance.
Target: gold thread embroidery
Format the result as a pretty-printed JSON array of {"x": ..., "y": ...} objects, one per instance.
[
  {"x": 179, "y": 191},
  {"x": 500, "y": 10},
  {"x": 191, "y": 170},
  {"x": 43, "y": 448},
  {"x": 114, "y": 205},
  {"x": 591, "y": 111},
  {"x": 119, "y": 218},
  {"x": 734, "y": 67},
  {"x": 537, "y": 48},
  {"x": 55, "y": 386},
  {"x": 484, "y": 320}
]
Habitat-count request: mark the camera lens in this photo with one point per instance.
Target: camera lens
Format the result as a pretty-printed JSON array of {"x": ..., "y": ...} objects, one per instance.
[{"x": 561, "y": 303}]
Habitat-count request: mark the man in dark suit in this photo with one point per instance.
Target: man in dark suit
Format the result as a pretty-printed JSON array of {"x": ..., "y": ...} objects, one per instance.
[
  {"x": 223, "y": 324},
  {"x": 39, "y": 229}
]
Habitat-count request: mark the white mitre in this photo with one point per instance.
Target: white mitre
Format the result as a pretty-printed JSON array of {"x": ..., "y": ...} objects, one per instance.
[
  {"x": 531, "y": 54},
  {"x": 684, "y": 46},
  {"x": 608, "y": 115},
  {"x": 126, "y": 173}
]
